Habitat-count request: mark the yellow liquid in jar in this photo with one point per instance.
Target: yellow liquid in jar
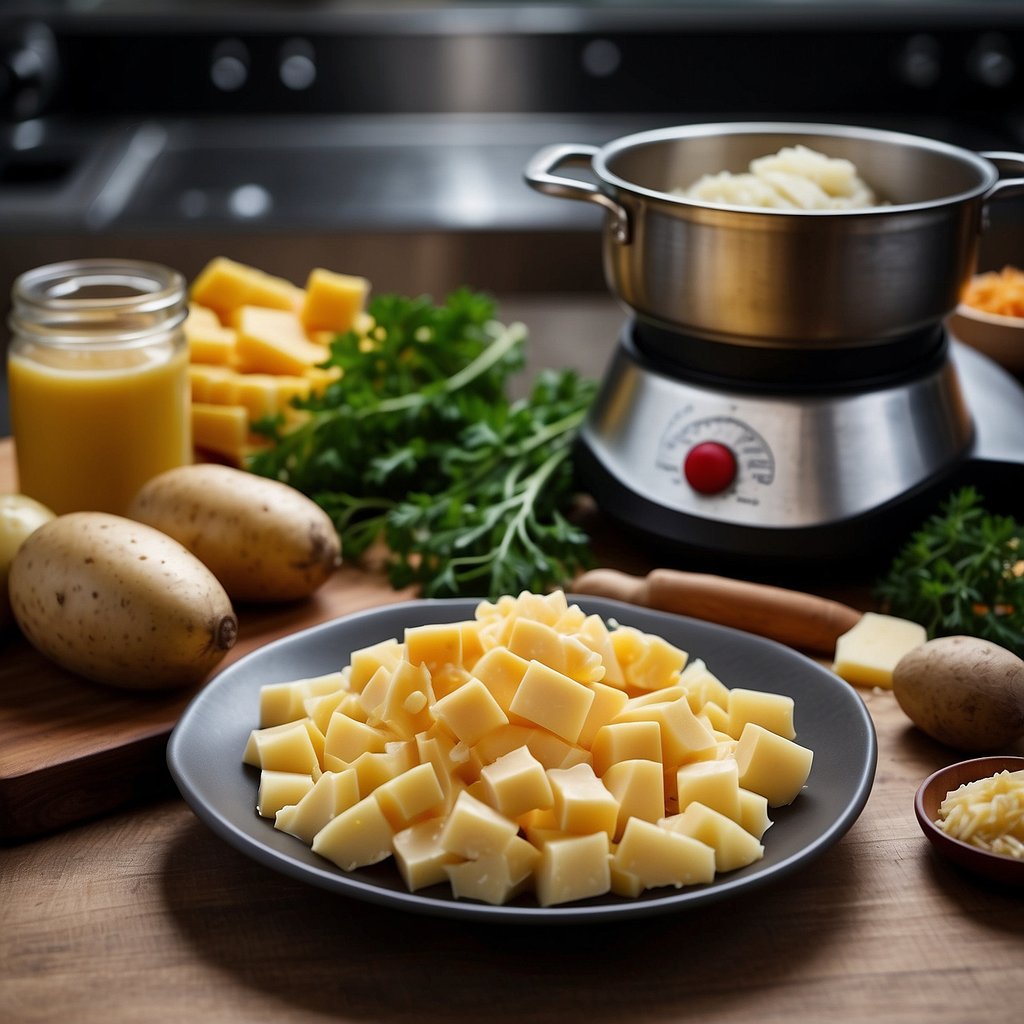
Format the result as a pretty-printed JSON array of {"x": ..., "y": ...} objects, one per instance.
[{"x": 90, "y": 428}]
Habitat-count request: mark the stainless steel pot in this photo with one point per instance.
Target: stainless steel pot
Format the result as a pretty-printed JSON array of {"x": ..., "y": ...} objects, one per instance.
[{"x": 784, "y": 278}]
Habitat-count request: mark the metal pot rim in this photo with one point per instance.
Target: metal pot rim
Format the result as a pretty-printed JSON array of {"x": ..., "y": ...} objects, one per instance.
[{"x": 987, "y": 171}]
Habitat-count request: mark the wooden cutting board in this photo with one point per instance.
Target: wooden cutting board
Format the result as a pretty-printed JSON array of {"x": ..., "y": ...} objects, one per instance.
[{"x": 71, "y": 749}]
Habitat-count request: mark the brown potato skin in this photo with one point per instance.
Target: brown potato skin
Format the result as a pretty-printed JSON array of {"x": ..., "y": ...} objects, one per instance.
[
  {"x": 120, "y": 603},
  {"x": 964, "y": 692},
  {"x": 264, "y": 540}
]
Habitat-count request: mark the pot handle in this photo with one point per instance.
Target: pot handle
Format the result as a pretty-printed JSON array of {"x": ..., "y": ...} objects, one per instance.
[
  {"x": 539, "y": 174},
  {"x": 1010, "y": 163}
]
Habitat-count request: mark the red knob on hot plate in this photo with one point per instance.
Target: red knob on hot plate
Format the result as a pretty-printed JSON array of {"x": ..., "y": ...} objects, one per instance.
[{"x": 709, "y": 467}]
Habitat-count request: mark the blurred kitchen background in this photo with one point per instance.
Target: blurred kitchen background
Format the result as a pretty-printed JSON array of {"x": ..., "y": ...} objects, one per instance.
[{"x": 388, "y": 139}]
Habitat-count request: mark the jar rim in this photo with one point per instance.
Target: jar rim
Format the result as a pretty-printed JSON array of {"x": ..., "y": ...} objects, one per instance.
[{"x": 98, "y": 299}]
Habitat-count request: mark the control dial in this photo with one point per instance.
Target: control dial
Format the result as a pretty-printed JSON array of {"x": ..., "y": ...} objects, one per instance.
[{"x": 716, "y": 455}]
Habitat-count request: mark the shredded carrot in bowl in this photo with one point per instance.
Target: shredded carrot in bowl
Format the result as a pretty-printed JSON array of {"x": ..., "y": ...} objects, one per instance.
[{"x": 1000, "y": 292}]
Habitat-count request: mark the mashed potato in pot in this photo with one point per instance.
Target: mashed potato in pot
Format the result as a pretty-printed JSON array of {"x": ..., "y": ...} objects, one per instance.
[{"x": 795, "y": 178}]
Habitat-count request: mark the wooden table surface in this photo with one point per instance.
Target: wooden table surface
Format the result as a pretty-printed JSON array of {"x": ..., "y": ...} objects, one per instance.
[{"x": 145, "y": 916}]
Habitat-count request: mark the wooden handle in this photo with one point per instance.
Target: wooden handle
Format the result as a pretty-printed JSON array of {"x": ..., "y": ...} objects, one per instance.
[{"x": 804, "y": 621}]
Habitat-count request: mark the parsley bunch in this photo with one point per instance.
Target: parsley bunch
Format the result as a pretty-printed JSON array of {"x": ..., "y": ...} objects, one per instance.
[
  {"x": 962, "y": 572},
  {"x": 418, "y": 444}
]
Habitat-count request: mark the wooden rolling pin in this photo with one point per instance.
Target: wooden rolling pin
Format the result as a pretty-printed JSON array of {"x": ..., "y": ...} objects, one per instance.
[{"x": 803, "y": 621}]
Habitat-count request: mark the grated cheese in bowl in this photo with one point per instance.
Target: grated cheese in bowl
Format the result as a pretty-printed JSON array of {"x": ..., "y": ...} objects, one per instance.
[{"x": 987, "y": 813}]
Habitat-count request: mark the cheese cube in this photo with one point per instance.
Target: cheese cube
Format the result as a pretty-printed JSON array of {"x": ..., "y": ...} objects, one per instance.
[
  {"x": 581, "y": 802},
  {"x": 288, "y": 747},
  {"x": 551, "y": 750},
  {"x": 637, "y": 786},
  {"x": 624, "y": 883},
  {"x": 409, "y": 795},
  {"x": 552, "y": 700},
  {"x": 360, "y": 835},
  {"x": 516, "y": 783},
  {"x": 716, "y": 784},
  {"x": 375, "y": 768},
  {"x": 625, "y": 741},
  {"x": 285, "y": 702},
  {"x": 503, "y": 741},
  {"x": 331, "y": 794},
  {"x": 436, "y": 646},
  {"x": 208, "y": 340},
  {"x": 496, "y": 878},
  {"x": 346, "y": 739},
  {"x": 771, "y": 765},
  {"x": 406, "y": 706},
  {"x": 594, "y": 634},
  {"x": 224, "y": 285},
  {"x": 272, "y": 341},
  {"x": 535, "y": 641},
  {"x": 660, "y": 857},
  {"x": 221, "y": 429},
  {"x": 648, "y": 662},
  {"x": 753, "y": 814},
  {"x": 210, "y": 383},
  {"x": 470, "y": 712},
  {"x": 332, "y": 301},
  {"x": 772, "y": 710},
  {"x": 472, "y": 829},
  {"x": 501, "y": 672},
  {"x": 365, "y": 662},
  {"x": 419, "y": 855},
  {"x": 608, "y": 702},
  {"x": 734, "y": 847},
  {"x": 867, "y": 654},
  {"x": 278, "y": 789},
  {"x": 703, "y": 686},
  {"x": 573, "y": 868}
]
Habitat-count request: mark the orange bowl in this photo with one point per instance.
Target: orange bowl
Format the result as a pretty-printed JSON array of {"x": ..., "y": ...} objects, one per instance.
[
  {"x": 1001, "y": 338},
  {"x": 931, "y": 793}
]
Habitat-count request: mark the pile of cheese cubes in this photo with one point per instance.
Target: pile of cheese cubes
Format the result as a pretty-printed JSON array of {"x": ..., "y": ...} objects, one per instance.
[
  {"x": 256, "y": 342},
  {"x": 531, "y": 747}
]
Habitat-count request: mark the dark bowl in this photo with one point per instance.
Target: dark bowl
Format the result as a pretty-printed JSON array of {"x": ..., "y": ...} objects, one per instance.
[{"x": 931, "y": 793}]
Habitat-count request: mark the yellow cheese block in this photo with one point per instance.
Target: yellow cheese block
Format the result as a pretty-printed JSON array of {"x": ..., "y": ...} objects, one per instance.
[
  {"x": 470, "y": 712},
  {"x": 286, "y": 702},
  {"x": 278, "y": 789},
  {"x": 625, "y": 741},
  {"x": 637, "y": 786},
  {"x": 772, "y": 710},
  {"x": 867, "y": 654},
  {"x": 734, "y": 847},
  {"x": 582, "y": 803},
  {"x": 358, "y": 836},
  {"x": 716, "y": 784},
  {"x": 419, "y": 855},
  {"x": 573, "y": 868},
  {"x": 516, "y": 783},
  {"x": 658, "y": 856},
  {"x": 497, "y": 877},
  {"x": 332, "y": 301},
  {"x": 410, "y": 795},
  {"x": 771, "y": 765},
  {"x": 225, "y": 285},
  {"x": 209, "y": 341},
  {"x": 331, "y": 794},
  {"x": 552, "y": 700},
  {"x": 472, "y": 829},
  {"x": 273, "y": 341}
]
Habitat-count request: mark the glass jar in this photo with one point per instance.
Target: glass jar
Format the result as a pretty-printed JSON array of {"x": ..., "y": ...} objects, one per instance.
[{"x": 98, "y": 381}]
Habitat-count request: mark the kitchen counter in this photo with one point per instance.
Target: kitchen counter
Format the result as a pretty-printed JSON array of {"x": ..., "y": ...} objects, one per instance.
[{"x": 145, "y": 916}]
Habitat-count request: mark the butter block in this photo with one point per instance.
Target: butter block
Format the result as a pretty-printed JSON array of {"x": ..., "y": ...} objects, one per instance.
[{"x": 867, "y": 654}]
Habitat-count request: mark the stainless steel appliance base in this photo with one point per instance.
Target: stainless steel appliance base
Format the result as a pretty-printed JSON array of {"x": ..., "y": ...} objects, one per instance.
[{"x": 803, "y": 477}]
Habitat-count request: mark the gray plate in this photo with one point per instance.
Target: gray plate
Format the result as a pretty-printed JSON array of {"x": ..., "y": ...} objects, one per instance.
[{"x": 205, "y": 758}]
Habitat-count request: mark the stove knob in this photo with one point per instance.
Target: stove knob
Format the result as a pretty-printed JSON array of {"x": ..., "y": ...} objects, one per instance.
[{"x": 709, "y": 467}]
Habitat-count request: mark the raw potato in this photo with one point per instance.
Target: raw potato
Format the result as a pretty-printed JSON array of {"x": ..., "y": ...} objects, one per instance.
[
  {"x": 963, "y": 691},
  {"x": 120, "y": 603},
  {"x": 20, "y": 515},
  {"x": 264, "y": 541}
]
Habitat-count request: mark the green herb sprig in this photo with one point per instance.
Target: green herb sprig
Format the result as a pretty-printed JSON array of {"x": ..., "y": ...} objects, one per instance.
[
  {"x": 962, "y": 573},
  {"x": 418, "y": 444}
]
